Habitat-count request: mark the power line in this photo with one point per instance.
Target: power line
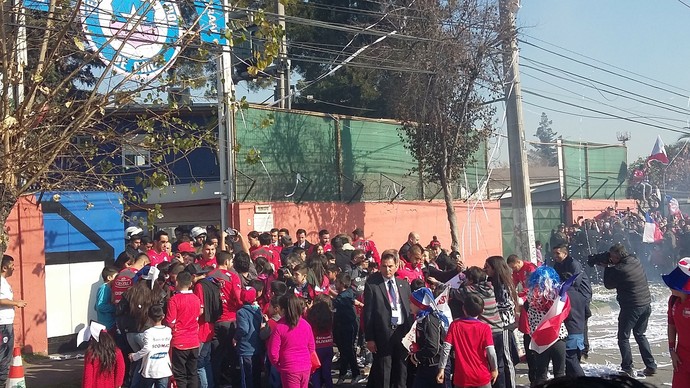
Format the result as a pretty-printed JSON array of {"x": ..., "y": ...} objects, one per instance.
[
  {"x": 605, "y": 113},
  {"x": 605, "y": 63},
  {"x": 661, "y": 105},
  {"x": 602, "y": 69}
]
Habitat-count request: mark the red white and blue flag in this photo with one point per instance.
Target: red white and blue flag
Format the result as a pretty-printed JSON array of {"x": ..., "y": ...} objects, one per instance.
[
  {"x": 658, "y": 152},
  {"x": 652, "y": 233},
  {"x": 546, "y": 333}
]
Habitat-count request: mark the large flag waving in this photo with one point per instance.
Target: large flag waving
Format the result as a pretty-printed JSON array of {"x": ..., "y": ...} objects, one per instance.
[
  {"x": 652, "y": 233},
  {"x": 658, "y": 152},
  {"x": 546, "y": 333}
]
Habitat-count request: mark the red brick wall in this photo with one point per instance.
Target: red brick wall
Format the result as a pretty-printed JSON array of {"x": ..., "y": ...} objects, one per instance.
[{"x": 26, "y": 245}]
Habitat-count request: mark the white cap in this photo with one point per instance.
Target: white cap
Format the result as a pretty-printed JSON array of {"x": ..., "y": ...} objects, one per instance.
[
  {"x": 198, "y": 231},
  {"x": 133, "y": 231}
]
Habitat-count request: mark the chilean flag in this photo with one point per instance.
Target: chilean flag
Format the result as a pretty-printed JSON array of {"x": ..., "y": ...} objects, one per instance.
[
  {"x": 546, "y": 333},
  {"x": 658, "y": 152},
  {"x": 651, "y": 233}
]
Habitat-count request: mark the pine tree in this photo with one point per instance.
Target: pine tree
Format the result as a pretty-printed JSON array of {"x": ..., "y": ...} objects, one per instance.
[{"x": 544, "y": 153}]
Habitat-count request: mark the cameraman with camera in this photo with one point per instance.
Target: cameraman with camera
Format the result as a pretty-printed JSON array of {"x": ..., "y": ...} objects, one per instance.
[{"x": 624, "y": 272}]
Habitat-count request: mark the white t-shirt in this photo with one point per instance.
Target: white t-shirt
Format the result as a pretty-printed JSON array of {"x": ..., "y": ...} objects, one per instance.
[
  {"x": 6, "y": 312},
  {"x": 155, "y": 353}
]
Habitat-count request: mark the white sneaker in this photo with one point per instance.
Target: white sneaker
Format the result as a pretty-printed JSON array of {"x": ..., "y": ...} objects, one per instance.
[{"x": 362, "y": 380}]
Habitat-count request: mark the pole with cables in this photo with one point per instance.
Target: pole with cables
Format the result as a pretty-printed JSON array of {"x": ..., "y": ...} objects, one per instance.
[{"x": 523, "y": 223}]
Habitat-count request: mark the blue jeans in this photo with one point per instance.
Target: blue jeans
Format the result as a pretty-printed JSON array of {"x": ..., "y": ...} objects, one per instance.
[
  {"x": 155, "y": 383},
  {"x": 203, "y": 366},
  {"x": 246, "y": 372},
  {"x": 634, "y": 319},
  {"x": 322, "y": 376},
  {"x": 7, "y": 335}
]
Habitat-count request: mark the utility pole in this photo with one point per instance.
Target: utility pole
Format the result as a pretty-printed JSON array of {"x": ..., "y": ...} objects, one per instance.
[
  {"x": 226, "y": 127},
  {"x": 22, "y": 55},
  {"x": 283, "y": 85},
  {"x": 523, "y": 223}
]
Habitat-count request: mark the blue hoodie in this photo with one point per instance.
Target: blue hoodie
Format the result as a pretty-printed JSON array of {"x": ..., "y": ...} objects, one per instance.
[{"x": 247, "y": 333}]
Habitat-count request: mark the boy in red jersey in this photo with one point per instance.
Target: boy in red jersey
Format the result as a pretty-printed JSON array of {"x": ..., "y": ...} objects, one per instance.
[
  {"x": 475, "y": 357},
  {"x": 182, "y": 317}
]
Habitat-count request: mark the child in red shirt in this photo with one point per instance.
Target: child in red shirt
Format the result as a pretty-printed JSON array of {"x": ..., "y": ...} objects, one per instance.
[
  {"x": 182, "y": 317},
  {"x": 320, "y": 317},
  {"x": 104, "y": 365},
  {"x": 475, "y": 357}
]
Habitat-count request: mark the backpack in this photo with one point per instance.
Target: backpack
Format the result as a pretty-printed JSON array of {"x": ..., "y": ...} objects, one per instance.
[{"x": 213, "y": 306}]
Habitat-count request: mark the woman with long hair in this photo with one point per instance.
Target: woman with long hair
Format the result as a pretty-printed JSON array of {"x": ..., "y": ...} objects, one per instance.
[
  {"x": 320, "y": 317},
  {"x": 500, "y": 276},
  {"x": 291, "y": 343},
  {"x": 104, "y": 365},
  {"x": 132, "y": 313},
  {"x": 316, "y": 275}
]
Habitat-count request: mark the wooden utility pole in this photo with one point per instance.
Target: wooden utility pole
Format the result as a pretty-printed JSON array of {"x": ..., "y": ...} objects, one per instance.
[{"x": 523, "y": 223}]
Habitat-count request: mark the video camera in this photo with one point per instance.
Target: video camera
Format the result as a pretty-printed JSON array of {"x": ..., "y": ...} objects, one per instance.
[{"x": 599, "y": 258}]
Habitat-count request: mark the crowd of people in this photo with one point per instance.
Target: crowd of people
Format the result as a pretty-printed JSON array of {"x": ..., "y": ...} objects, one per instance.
[
  {"x": 211, "y": 309},
  {"x": 615, "y": 226}
]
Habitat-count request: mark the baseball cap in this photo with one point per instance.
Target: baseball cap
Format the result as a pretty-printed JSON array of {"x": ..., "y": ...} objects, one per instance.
[
  {"x": 196, "y": 269},
  {"x": 186, "y": 247},
  {"x": 248, "y": 295}
]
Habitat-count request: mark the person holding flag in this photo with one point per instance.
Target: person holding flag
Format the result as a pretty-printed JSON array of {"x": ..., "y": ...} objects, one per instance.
[
  {"x": 548, "y": 308},
  {"x": 431, "y": 328}
]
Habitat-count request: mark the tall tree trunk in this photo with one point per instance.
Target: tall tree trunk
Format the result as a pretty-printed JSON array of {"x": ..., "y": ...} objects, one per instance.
[{"x": 450, "y": 212}]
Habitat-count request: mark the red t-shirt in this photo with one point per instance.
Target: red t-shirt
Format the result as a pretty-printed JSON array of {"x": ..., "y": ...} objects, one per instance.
[
  {"x": 323, "y": 339},
  {"x": 521, "y": 276},
  {"x": 157, "y": 257},
  {"x": 229, "y": 293},
  {"x": 679, "y": 316},
  {"x": 183, "y": 318},
  {"x": 205, "y": 328},
  {"x": 269, "y": 254},
  {"x": 470, "y": 338},
  {"x": 207, "y": 263},
  {"x": 122, "y": 282}
]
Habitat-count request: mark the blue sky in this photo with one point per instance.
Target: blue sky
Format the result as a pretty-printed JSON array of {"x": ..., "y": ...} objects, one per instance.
[
  {"x": 645, "y": 40},
  {"x": 650, "y": 38}
]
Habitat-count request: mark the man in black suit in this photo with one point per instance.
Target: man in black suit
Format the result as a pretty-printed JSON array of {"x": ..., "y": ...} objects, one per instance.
[{"x": 386, "y": 321}]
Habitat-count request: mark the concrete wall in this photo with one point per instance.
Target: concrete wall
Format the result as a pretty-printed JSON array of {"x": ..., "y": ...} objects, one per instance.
[
  {"x": 26, "y": 245},
  {"x": 388, "y": 224}
]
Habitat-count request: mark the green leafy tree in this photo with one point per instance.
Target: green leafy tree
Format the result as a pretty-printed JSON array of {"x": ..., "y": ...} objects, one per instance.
[
  {"x": 65, "y": 115},
  {"x": 545, "y": 152},
  {"x": 445, "y": 109},
  {"x": 358, "y": 89}
]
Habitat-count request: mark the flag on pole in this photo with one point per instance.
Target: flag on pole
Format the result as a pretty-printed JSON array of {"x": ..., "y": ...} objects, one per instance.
[
  {"x": 673, "y": 205},
  {"x": 546, "y": 333},
  {"x": 658, "y": 152},
  {"x": 651, "y": 233}
]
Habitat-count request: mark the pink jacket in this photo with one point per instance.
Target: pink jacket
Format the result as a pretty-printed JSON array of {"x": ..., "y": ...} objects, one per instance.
[{"x": 290, "y": 350}]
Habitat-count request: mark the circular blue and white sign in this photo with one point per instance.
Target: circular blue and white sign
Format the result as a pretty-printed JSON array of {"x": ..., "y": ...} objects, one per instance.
[{"x": 138, "y": 37}]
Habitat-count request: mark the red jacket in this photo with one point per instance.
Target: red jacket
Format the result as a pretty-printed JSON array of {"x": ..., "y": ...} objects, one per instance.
[{"x": 94, "y": 378}]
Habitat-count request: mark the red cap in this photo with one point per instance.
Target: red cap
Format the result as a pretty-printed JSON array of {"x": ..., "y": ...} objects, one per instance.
[
  {"x": 248, "y": 295},
  {"x": 186, "y": 247}
]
